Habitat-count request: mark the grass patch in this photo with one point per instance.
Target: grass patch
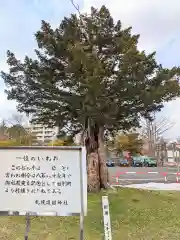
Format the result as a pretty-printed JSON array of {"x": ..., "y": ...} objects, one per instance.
[{"x": 135, "y": 214}]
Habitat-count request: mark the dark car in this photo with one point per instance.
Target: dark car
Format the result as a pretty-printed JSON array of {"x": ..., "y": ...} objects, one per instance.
[
  {"x": 137, "y": 162},
  {"x": 110, "y": 163},
  {"x": 123, "y": 163}
]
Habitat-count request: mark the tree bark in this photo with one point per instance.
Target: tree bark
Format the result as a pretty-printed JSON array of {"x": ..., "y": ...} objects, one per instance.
[
  {"x": 103, "y": 172},
  {"x": 96, "y": 161},
  {"x": 93, "y": 173}
]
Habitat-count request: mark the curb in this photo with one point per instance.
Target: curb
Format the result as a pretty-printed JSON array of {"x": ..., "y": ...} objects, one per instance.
[
  {"x": 161, "y": 173},
  {"x": 164, "y": 174}
]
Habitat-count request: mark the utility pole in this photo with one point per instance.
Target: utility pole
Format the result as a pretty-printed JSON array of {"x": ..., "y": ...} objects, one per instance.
[
  {"x": 177, "y": 159},
  {"x": 174, "y": 152},
  {"x": 151, "y": 137},
  {"x": 162, "y": 151}
]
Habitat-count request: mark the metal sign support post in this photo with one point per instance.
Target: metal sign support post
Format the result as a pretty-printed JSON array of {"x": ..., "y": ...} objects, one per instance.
[
  {"x": 82, "y": 200},
  {"x": 81, "y": 227},
  {"x": 28, "y": 222},
  {"x": 27, "y": 226}
]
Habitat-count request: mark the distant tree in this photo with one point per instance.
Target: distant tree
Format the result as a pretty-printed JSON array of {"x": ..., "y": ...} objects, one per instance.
[
  {"x": 128, "y": 142},
  {"x": 14, "y": 135},
  {"x": 16, "y": 131},
  {"x": 20, "y": 135},
  {"x": 89, "y": 77},
  {"x": 152, "y": 131},
  {"x": 3, "y": 128},
  {"x": 155, "y": 127}
]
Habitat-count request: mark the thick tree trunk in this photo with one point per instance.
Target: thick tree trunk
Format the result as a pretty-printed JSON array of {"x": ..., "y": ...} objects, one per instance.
[
  {"x": 103, "y": 172},
  {"x": 93, "y": 173},
  {"x": 97, "y": 170}
]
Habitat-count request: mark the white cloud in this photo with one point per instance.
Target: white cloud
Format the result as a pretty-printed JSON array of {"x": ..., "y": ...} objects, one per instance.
[{"x": 156, "y": 21}]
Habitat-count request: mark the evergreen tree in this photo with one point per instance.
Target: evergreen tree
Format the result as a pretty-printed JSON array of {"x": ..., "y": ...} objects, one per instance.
[{"x": 89, "y": 76}]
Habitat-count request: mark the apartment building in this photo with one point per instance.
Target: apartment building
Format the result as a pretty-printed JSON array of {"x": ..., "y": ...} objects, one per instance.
[{"x": 42, "y": 134}]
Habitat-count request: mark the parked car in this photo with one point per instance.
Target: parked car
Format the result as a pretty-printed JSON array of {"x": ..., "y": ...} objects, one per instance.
[
  {"x": 150, "y": 162},
  {"x": 110, "y": 163},
  {"x": 123, "y": 163},
  {"x": 137, "y": 161}
]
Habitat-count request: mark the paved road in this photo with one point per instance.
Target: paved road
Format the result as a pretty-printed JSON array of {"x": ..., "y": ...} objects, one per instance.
[{"x": 133, "y": 175}]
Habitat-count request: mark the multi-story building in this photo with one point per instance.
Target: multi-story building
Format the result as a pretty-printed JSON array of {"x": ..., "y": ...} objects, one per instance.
[{"x": 42, "y": 134}]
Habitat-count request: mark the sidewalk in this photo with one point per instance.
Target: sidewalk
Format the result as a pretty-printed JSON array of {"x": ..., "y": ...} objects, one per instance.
[
  {"x": 170, "y": 164},
  {"x": 155, "y": 186}
]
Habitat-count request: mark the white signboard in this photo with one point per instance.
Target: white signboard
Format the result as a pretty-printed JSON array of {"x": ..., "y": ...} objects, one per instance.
[
  {"x": 106, "y": 216},
  {"x": 43, "y": 180}
]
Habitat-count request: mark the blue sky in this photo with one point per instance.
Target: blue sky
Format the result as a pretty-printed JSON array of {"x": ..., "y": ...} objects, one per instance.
[
  {"x": 18, "y": 23},
  {"x": 156, "y": 21}
]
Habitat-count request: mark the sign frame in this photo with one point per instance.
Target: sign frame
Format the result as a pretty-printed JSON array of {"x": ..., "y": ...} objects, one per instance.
[{"x": 83, "y": 179}]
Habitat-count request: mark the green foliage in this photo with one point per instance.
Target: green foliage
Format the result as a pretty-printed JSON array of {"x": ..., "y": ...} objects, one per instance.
[
  {"x": 22, "y": 141},
  {"x": 8, "y": 143},
  {"x": 63, "y": 141},
  {"x": 89, "y": 74},
  {"x": 128, "y": 142},
  {"x": 20, "y": 135},
  {"x": 15, "y": 135},
  {"x": 16, "y": 131},
  {"x": 25, "y": 140},
  {"x": 57, "y": 143}
]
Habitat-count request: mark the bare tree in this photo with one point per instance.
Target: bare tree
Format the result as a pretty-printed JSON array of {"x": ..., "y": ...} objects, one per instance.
[
  {"x": 152, "y": 131},
  {"x": 155, "y": 128},
  {"x": 3, "y": 128},
  {"x": 17, "y": 130}
]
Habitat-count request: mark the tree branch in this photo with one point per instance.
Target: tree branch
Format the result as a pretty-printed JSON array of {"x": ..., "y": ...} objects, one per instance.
[{"x": 76, "y": 6}]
